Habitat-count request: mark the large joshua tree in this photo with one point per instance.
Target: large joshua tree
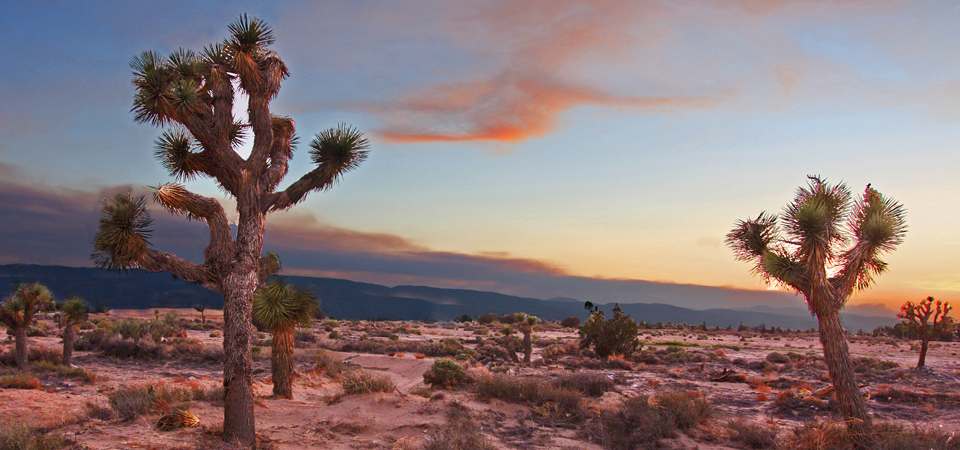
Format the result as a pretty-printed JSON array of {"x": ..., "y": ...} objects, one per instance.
[
  {"x": 281, "y": 308},
  {"x": 192, "y": 95},
  {"x": 17, "y": 312},
  {"x": 826, "y": 248}
]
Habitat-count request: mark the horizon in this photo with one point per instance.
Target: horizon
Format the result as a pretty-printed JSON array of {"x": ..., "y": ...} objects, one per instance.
[{"x": 536, "y": 149}]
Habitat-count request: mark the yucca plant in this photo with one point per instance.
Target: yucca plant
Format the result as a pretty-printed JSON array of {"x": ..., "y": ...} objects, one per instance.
[
  {"x": 826, "y": 249},
  {"x": 17, "y": 313},
  {"x": 192, "y": 95},
  {"x": 73, "y": 313},
  {"x": 281, "y": 308},
  {"x": 200, "y": 309}
]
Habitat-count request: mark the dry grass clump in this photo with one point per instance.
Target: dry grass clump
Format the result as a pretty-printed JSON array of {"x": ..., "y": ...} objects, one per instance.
[
  {"x": 35, "y": 353},
  {"x": 591, "y": 384},
  {"x": 549, "y": 401},
  {"x": 18, "y": 436},
  {"x": 133, "y": 401},
  {"x": 462, "y": 432},
  {"x": 753, "y": 435},
  {"x": 364, "y": 382},
  {"x": 329, "y": 363},
  {"x": 899, "y": 437},
  {"x": 63, "y": 371},
  {"x": 818, "y": 435},
  {"x": 642, "y": 421},
  {"x": 19, "y": 381}
]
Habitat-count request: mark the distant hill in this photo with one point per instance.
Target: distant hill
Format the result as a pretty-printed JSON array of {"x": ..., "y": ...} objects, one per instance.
[{"x": 138, "y": 289}]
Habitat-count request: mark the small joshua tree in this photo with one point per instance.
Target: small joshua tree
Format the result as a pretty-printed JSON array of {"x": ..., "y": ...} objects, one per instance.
[
  {"x": 17, "y": 312},
  {"x": 525, "y": 324},
  {"x": 200, "y": 309},
  {"x": 73, "y": 312},
  {"x": 929, "y": 319},
  {"x": 280, "y": 308},
  {"x": 617, "y": 336}
]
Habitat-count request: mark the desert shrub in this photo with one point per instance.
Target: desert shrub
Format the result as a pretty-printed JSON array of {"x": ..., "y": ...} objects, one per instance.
[
  {"x": 867, "y": 365},
  {"x": 898, "y": 437},
  {"x": 570, "y": 322},
  {"x": 304, "y": 336},
  {"x": 128, "y": 349},
  {"x": 34, "y": 353},
  {"x": 334, "y": 334},
  {"x": 19, "y": 436},
  {"x": 818, "y": 435},
  {"x": 615, "y": 336},
  {"x": 591, "y": 384},
  {"x": 642, "y": 421},
  {"x": 131, "y": 402},
  {"x": 777, "y": 358},
  {"x": 445, "y": 373},
  {"x": 63, "y": 371},
  {"x": 481, "y": 331},
  {"x": 551, "y": 401},
  {"x": 92, "y": 339},
  {"x": 364, "y": 382},
  {"x": 19, "y": 381},
  {"x": 331, "y": 323},
  {"x": 462, "y": 432},
  {"x": 753, "y": 435},
  {"x": 132, "y": 329},
  {"x": 329, "y": 363},
  {"x": 487, "y": 318},
  {"x": 98, "y": 410}
]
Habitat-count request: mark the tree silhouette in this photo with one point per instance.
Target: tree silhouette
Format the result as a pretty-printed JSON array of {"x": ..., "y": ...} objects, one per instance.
[
  {"x": 928, "y": 318},
  {"x": 192, "y": 95},
  {"x": 830, "y": 250}
]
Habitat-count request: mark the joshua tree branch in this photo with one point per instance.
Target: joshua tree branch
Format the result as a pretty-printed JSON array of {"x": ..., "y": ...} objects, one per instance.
[
  {"x": 157, "y": 261},
  {"x": 316, "y": 179},
  {"x": 179, "y": 200}
]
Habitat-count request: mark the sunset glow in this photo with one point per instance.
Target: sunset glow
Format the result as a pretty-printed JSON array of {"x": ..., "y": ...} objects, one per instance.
[{"x": 540, "y": 148}]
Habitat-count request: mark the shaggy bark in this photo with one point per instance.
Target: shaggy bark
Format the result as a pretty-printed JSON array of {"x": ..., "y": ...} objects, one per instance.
[
  {"x": 20, "y": 335},
  {"x": 836, "y": 354},
  {"x": 69, "y": 335},
  {"x": 282, "y": 361}
]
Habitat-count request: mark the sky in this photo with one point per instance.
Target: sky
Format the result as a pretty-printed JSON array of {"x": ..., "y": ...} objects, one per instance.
[{"x": 541, "y": 148}]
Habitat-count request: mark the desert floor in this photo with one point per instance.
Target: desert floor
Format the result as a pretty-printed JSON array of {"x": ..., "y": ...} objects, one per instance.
[{"x": 321, "y": 416}]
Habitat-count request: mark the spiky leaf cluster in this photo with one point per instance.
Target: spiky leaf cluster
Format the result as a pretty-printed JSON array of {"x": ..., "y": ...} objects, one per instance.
[
  {"x": 279, "y": 305},
  {"x": 74, "y": 311},
  {"x": 124, "y": 233},
  {"x": 18, "y": 310},
  {"x": 822, "y": 245}
]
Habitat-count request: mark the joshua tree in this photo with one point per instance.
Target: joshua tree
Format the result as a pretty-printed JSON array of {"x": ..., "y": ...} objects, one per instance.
[
  {"x": 280, "y": 308},
  {"x": 192, "y": 94},
  {"x": 525, "y": 324},
  {"x": 17, "y": 311},
  {"x": 200, "y": 309},
  {"x": 915, "y": 317},
  {"x": 830, "y": 250},
  {"x": 73, "y": 312}
]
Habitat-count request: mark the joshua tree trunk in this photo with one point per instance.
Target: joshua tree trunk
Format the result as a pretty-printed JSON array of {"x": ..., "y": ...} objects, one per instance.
[
  {"x": 69, "y": 333},
  {"x": 282, "y": 361},
  {"x": 836, "y": 354},
  {"x": 20, "y": 335},
  {"x": 238, "y": 287},
  {"x": 527, "y": 347},
  {"x": 923, "y": 352}
]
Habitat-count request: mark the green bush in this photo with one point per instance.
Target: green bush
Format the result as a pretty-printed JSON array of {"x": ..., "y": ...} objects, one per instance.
[
  {"x": 487, "y": 318},
  {"x": 617, "y": 336},
  {"x": 444, "y": 372},
  {"x": 777, "y": 358},
  {"x": 570, "y": 322}
]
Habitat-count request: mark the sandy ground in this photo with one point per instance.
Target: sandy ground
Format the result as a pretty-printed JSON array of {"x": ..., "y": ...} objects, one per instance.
[{"x": 401, "y": 419}]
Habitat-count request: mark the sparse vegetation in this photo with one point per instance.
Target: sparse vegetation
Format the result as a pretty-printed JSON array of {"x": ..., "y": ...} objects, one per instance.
[
  {"x": 607, "y": 337},
  {"x": 365, "y": 382},
  {"x": 444, "y": 373}
]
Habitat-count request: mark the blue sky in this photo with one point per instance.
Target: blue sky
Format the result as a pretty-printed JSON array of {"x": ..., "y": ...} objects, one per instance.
[{"x": 516, "y": 141}]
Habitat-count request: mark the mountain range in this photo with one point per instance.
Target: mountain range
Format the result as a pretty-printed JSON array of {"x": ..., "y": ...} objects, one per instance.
[{"x": 138, "y": 289}]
